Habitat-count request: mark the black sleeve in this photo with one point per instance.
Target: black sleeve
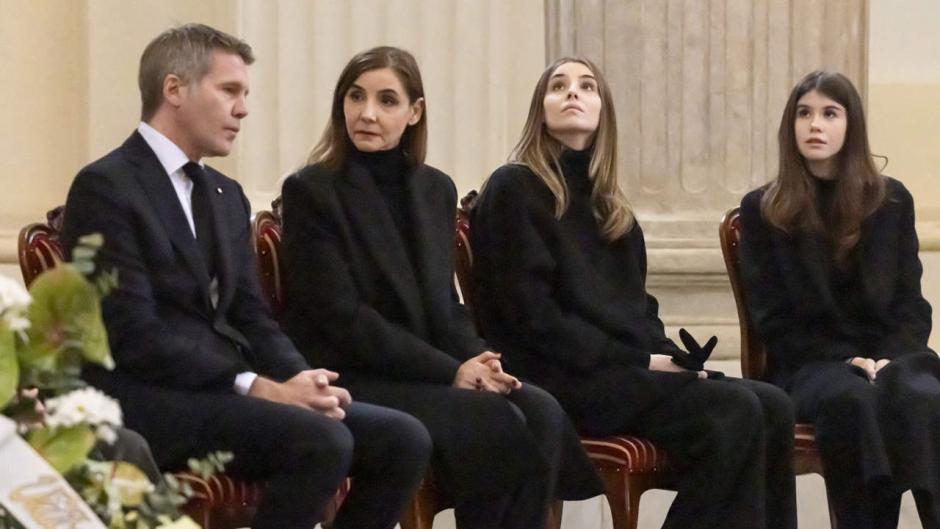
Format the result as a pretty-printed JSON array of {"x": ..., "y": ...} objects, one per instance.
[
  {"x": 143, "y": 345},
  {"x": 324, "y": 301},
  {"x": 514, "y": 228},
  {"x": 908, "y": 307},
  {"x": 778, "y": 320},
  {"x": 655, "y": 328}
]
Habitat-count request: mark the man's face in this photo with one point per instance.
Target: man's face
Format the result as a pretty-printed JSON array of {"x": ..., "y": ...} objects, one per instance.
[{"x": 212, "y": 108}]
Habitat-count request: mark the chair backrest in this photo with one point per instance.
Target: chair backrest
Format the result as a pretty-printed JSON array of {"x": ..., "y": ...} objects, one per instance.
[
  {"x": 464, "y": 257},
  {"x": 266, "y": 229},
  {"x": 38, "y": 246},
  {"x": 753, "y": 353}
]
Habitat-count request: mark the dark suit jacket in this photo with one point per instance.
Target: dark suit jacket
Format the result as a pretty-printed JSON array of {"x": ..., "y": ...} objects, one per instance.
[
  {"x": 793, "y": 303},
  {"x": 355, "y": 301},
  {"x": 161, "y": 325}
]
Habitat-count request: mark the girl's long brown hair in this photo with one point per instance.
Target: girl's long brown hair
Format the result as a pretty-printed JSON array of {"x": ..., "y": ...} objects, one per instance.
[
  {"x": 539, "y": 151},
  {"x": 790, "y": 202}
]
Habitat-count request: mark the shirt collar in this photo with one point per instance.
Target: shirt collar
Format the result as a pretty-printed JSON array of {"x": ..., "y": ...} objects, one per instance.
[{"x": 171, "y": 157}]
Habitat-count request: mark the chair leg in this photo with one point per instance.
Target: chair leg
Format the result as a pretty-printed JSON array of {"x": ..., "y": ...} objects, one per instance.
[
  {"x": 420, "y": 511},
  {"x": 554, "y": 515},
  {"x": 623, "y": 493}
]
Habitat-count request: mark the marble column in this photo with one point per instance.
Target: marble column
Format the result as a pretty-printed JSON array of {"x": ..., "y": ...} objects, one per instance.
[{"x": 699, "y": 87}]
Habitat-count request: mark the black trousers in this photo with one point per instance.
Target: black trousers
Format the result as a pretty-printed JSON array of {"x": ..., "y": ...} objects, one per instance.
[
  {"x": 876, "y": 440},
  {"x": 730, "y": 440},
  {"x": 501, "y": 459},
  {"x": 302, "y": 455}
]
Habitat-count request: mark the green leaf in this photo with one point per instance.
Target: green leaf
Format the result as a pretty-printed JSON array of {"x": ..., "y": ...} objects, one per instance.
[
  {"x": 63, "y": 448},
  {"x": 66, "y": 323},
  {"x": 9, "y": 366}
]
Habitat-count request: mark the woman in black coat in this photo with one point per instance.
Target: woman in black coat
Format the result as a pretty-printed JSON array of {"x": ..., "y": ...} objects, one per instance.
[
  {"x": 369, "y": 252},
  {"x": 560, "y": 282},
  {"x": 829, "y": 257}
]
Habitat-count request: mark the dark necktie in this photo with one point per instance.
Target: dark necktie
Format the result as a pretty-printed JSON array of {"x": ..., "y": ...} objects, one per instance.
[{"x": 202, "y": 214}]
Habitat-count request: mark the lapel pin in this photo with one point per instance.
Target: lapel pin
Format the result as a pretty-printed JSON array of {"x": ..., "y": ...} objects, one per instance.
[{"x": 218, "y": 190}]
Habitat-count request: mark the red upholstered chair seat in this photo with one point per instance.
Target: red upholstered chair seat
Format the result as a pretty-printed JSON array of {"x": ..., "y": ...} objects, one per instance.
[{"x": 633, "y": 454}]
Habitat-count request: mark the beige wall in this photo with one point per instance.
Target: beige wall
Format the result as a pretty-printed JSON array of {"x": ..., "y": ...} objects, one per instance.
[
  {"x": 904, "y": 101},
  {"x": 904, "y": 115}
]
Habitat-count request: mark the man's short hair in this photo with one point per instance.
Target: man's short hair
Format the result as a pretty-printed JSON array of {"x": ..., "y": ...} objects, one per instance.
[{"x": 185, "y": 51}]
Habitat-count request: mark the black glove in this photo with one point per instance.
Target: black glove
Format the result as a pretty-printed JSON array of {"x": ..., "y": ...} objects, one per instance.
[{"x": 694, "y": 359}]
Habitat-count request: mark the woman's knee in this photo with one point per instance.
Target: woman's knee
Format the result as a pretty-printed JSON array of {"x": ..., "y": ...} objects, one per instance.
[
  {"x": 848, "y": 403},
  {"x": 412, "y": 442}
]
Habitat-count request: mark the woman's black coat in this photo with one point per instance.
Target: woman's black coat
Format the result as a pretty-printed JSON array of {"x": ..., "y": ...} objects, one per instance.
[
  {"x": 350, "y": 272},
  {"x": 794, "y": 305},
  {"x": 382, "y": 310}
]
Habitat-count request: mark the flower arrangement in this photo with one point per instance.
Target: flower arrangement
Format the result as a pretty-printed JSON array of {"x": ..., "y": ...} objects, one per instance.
[{"x": 45, "y": 336}]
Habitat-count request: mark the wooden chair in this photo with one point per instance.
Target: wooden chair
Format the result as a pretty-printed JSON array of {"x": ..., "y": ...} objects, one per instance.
[
  {"x": 629, "y": 465},
  {"x": 806, "y": 459},
  {"x": 220, "y": 502}
]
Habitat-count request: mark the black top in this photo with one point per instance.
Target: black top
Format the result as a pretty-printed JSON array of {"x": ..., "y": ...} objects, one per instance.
[
  {"x": 843, "y": 273},
  {"x": 554, "y": 292},
  {"x": 356, "y": 301},
  {"x": 806, "y": 307},
  {"x": 389, "y": 170}
]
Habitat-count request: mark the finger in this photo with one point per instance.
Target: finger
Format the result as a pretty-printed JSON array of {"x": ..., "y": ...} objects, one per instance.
[
  {"x": 489, "y": 385},
  {"x": 486, "y": 356},
  {"x": 321, "y": 381},
  {"x": 323, "y": 402},
  {"x": 330, "y": 375},
  {"x": 336, "y": 413},
  {"x": 496, "y": 366},
  {"x": 702, "y": 374},
  {"x": 342, "y": 395}
]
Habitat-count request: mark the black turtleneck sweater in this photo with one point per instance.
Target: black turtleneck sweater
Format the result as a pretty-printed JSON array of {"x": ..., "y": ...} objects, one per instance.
[
  {"x": 389, "y": 169},
  {"x": 845, "y": 274},
  {"x": 553, "y": 293}
]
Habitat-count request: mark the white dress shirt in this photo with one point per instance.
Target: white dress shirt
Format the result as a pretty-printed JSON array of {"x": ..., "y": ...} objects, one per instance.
[{"x": 172, "y": 158}]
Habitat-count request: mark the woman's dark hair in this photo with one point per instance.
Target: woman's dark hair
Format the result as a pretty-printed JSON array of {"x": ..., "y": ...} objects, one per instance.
[
  {"x": 332, "y": 149},
  {"x": 790, "y": 202}
]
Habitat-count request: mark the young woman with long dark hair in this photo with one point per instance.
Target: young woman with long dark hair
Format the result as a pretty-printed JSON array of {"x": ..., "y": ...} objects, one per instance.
[
  {"x": 560, "y": 284},
  {"x": 832, "y": 275}
]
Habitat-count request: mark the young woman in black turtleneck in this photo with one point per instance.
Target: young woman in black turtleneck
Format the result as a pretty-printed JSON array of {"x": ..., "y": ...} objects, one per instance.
[
  {"x": 832, "y": 276},
  {"x": 369, "y": 255},
  {"x": 560, "y": 285}
]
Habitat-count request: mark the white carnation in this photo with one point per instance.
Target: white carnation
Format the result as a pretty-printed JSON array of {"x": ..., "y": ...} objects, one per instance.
[
  {"x": 14, "y": 299},
  {"x": 85, "y": 406}
]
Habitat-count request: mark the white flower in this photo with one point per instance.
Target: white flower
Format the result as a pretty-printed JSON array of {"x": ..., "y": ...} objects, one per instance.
[
  {"x": 85, "y": 406},
  {"x": 13, "y": 302}
]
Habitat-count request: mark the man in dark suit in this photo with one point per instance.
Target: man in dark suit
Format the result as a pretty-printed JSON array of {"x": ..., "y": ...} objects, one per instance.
[{"x": 201, "y": 364}]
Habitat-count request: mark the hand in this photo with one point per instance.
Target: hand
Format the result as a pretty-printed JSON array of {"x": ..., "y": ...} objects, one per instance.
[
  {"x": 880, "y": 364},
  {"x": 664, "y": 363},
  {"x": 308, "y": 389},
  {"x": 496, "y": 366},
  {"x": 478, "y": 373},
  {"x": 869, "y": 365}
]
